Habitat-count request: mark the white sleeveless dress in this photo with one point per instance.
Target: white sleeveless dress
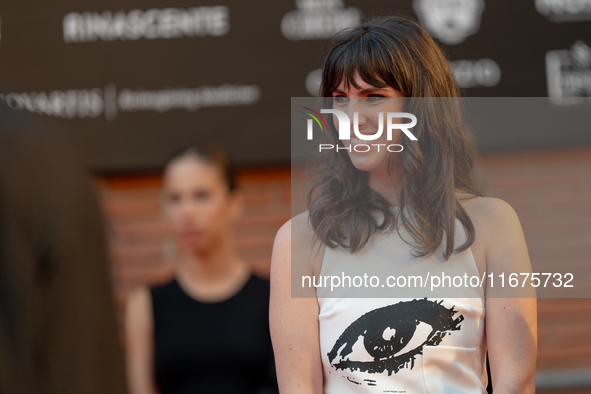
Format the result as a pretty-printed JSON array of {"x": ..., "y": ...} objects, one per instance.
[{"x": 401, "y": 345}]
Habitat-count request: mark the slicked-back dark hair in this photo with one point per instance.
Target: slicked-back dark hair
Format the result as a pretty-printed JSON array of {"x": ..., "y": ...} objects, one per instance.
[{"x": 210, "y": 154}]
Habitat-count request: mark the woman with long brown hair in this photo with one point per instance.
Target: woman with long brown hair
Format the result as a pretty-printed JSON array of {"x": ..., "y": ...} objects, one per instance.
[{"x": 414, "y": 208}]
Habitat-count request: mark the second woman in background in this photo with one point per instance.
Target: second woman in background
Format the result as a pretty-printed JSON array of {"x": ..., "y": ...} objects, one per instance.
[{"x": 207, "y": 330}]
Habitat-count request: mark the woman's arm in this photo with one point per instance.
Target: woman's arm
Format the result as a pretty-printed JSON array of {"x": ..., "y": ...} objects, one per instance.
[
  {"x": 294, "y": 326},
  {"x": 139, "y": 341},
  {"x": 511, "y": 323},
  {"x": 269, "y": 379}
]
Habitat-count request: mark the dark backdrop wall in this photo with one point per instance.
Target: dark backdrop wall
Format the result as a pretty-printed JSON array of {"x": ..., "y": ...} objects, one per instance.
[{"x": 130, "y": 81}]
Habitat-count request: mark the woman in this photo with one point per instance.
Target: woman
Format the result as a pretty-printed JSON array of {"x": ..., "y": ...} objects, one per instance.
[
  {"x": 398, "y": 211},
  {"x": 207, "y": 330}
]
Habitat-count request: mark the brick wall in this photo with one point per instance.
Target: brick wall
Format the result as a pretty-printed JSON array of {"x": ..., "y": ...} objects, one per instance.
[{"x": 551, "y": 192}]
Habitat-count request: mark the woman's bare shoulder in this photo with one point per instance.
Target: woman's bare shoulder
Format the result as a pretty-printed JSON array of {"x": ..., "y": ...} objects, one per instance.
[
  {"x": 493, "y": 218},
  {"x": 486, "y": 208},
  {"x": 296, "y": 228},
  {"x": 139, "y": 299},
  {"x": 138, "y": 310},
  {"x": 298, "y": 237}
]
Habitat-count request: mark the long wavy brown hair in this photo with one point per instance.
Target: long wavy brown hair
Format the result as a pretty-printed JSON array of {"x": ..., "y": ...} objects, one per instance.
[{"x": 397, "y": 52}]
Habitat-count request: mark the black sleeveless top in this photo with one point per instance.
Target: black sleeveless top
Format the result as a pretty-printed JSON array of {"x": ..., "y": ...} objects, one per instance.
[{"x": 221, "y": 347}]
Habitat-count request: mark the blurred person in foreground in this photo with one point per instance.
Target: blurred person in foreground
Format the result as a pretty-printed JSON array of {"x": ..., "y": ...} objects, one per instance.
[
  {"x": 58, "y": 328},
  {"x": 207, "y": 330}
]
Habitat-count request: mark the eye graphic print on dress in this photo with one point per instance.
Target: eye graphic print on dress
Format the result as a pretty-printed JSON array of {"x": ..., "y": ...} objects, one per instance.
[{"x": 387, "y": 336}]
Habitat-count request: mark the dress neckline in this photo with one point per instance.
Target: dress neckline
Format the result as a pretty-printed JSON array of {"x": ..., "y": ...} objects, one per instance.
[{"x": 216, "y": 302}]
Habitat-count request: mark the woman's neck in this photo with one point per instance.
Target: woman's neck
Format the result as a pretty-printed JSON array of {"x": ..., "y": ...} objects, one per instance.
[
  {"x": 212, "y": 275},
  {"x": 387, "y": 185},
  {"x": 211, "y": 265}
]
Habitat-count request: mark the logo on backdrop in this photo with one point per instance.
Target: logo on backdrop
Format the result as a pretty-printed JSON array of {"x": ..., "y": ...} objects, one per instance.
[
  {"x": 476, "y": 73},
  {"x": 451, "y": 21},
  {"x": 360, "y": 142},
  {"x": 318, "y": 19},
  {"x": 565, "y": 10},
  {"x": 568, "y": 74},
  {"x": 151, "y": 24},
  {"x": 92, "y": 103}
]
